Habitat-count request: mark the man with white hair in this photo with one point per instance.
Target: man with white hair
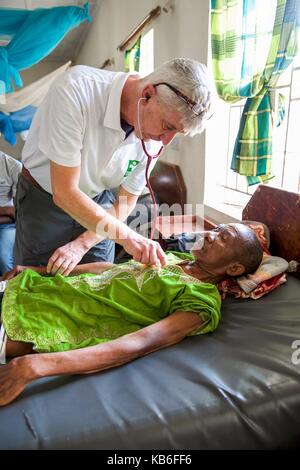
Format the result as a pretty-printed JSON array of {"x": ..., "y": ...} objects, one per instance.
[{"x": 85, "y": 140}]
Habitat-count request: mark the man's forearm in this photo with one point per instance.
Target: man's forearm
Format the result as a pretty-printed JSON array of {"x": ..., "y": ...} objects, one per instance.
[
  {"x": 81, "y": 361},
  {"x": 92, "y": 216},
  {"x": 88, "y": 239},
  {"x": 113, "y": 353}
]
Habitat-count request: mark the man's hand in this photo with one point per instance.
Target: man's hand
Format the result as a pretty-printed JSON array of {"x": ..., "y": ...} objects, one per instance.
[
  {"x": 13, "y": 272},
  {"x": 5, "y": 219},
  {"x": 65, "y": 258},
  {"x": 8, "y": 211},
  {"x": 144, "y": 250},
  {"x": 13, "y": 379}
]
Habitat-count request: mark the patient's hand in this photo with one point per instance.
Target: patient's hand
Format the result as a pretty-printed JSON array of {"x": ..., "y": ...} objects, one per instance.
[
  {"x": 13, "y": 272},
  {"x": 13, "y": 379}
]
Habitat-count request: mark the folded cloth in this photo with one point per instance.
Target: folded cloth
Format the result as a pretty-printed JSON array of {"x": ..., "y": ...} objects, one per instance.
[
  {"x": 229, "y": 287},
  {"x": 269, "y": 267}
]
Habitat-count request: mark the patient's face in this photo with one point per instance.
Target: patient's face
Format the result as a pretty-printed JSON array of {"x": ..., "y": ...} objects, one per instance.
[{"x": 217, "y": 248}]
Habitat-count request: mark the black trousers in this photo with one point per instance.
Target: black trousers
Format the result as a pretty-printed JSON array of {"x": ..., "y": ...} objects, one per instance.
[{"x": 42, "y": 227}]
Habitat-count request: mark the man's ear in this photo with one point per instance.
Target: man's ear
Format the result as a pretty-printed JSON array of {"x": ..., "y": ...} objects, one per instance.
[
  {"x": 235, "y": 269},
  {"x": 148, "y": 91}
]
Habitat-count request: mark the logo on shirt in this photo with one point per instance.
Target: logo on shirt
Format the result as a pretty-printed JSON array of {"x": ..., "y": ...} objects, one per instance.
[{"x": 132, "y": 164}]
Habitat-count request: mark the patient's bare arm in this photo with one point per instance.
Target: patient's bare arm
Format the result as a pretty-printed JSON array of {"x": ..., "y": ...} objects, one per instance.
[{"x": 23, "y": 370}]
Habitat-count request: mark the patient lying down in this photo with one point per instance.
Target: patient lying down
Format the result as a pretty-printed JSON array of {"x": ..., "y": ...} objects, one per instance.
[{"x": 105, "y": 315}]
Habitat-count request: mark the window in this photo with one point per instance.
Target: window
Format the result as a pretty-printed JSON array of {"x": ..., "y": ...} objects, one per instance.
[
  {"x": 146, "y": 54},
  {"x": 228, "y": 191}
]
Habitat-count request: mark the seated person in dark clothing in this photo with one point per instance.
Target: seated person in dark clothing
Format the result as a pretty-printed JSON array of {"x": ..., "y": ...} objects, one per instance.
[
  {"x": 106, "y": 315},
  {"x": 10, "y": 169}
]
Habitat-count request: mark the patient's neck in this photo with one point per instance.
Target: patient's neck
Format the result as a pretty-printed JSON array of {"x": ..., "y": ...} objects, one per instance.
[{"x": 194, "y": 269}]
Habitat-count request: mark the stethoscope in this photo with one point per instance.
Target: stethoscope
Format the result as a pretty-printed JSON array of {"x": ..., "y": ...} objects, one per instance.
[
  {"x": 150, "y": 158},
  {"x": 149, "y": 161}
]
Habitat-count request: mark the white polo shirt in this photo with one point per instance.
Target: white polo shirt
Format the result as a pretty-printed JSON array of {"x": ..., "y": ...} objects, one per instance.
[
  {"x": 78, "y": 123},
  {"x": 10, "y": 169}
]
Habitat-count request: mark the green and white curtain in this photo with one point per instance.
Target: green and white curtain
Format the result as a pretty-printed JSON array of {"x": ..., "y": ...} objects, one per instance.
[
  {"x": 132, "y": 57},
  {"x": 253, "y": 42}
]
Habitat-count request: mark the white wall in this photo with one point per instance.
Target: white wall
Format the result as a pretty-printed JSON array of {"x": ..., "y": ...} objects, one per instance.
[
  {"x": 181, "y": 33},
  {"x": 28, "y": 76},
  {"x": 39, "y": 70}
]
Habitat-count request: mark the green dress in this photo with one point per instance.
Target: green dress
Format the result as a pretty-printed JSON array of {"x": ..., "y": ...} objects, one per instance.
[{"x": 62, "y": 313}]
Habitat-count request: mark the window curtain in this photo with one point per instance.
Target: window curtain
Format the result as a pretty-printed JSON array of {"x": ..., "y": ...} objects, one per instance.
[
  {"x": 33, "y": 35},
  {"x": 253, "y": 42},
  {"x": 18, "y": 108},
  {"x": 16, "y": 122},
  {"x": 132, "y": 57}
]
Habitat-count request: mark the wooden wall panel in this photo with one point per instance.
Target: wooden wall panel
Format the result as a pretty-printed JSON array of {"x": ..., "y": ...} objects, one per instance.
[{"x": 280, "y": 211}]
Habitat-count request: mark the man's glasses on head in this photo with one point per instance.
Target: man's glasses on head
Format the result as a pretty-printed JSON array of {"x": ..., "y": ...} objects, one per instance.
[{"x": 196, "y": 108}]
